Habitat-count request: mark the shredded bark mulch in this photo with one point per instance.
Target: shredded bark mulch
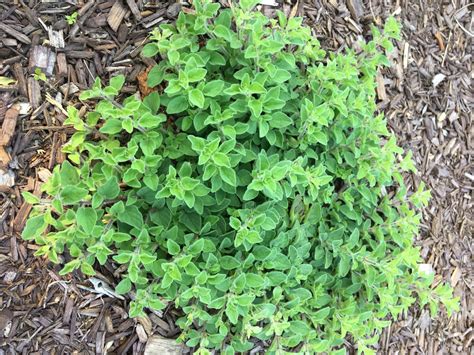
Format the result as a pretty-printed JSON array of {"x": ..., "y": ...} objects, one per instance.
[
  {"x": 426, "y": 97},
  {"x": 42, "y": 312}
]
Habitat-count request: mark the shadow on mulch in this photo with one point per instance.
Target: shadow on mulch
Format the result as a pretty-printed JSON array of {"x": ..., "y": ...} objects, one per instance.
[{"x": 425, "y": 95}]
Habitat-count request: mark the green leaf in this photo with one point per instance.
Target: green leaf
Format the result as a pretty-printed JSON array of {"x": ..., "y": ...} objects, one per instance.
[
  {"x": 117, "y": 82},
  {"x": 73, "y": 194},
  {"x": 111, "y": 126},
  {"x": 247, "y": 5},
  {"x": 281, "y": 76},
  {"x": 221, "y": 159},
  {"x": 299, "y": 327},
  {"x": 123, "y": 286},
  {"x": 321, "y": 315},
  {"x": 110, "y": 189},
  {"x": 255, "y": 107},
  {"x": 30, "y": 198},
  {"x": 131, "y": 216},
  {"x": 173, "y": 56},
  {"x": 87, "y": 269},
  {"x": 213, "y": 88},
  {"x": 121, "y": 237},
  {"x": 353, "y": 239},
  {"x": 173, "y": 247},
  {"x": 155, "y": 76},
  {"x": 127, "y": 125},
  {"x": 217, "y": 303},
  {"x": 392, "y": 28},
  {"x": 156, "y": 304},
  {"x": 147, "y": 258},
  {"x": 177, "y": 105},
  {"x": 321, "y": 137},
  {"x": 223, "y": 32},
  {"x": 257, "y": 88},
  {"x": 152, "y": 101},
  {"x": 196, "y": 74},
  {"x": 34, "y": 227},
  {"x": 255, "y": 281},
  {"x": 253, "y": 237},
  {"x": 217, "y": 59},
  {"x": 149, "y": 120},
  {"x": 273, "y": 46},
  {"x": 122, "y": 257},
  {"x": 231, "y": 313},
  {"x": 174, "y": 272},
  {"x": 196, "y": 98},
  {"x": 239, "y": 283},
  {"x": 229, "y": 263},
  {"x": 228, "y": 175},
  {"x": 197, "y": 247},
  {"x": 70, "y": 267},
  {"x": 86, "y": 218},
  {"x": 344, "y": 265},
  {"x": 150, "y": 50},
  {"x": 337, "y": 233},
  {"x": 69, "y": 175},
  {"x": 280, "y": 120}
]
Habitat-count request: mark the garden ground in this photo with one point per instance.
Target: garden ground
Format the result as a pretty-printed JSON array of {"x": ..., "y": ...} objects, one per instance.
[{"x": 426, "y": 97}]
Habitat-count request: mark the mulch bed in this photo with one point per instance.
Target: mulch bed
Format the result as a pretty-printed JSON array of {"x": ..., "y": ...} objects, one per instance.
[{"x": 426, "y": 97}]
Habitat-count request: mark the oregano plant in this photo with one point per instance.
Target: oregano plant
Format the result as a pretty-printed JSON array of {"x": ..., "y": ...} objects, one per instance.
[{"x": 256, "y": 189}]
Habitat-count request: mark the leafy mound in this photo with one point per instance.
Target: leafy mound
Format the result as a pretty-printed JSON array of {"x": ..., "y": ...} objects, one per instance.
[{"x": 255, "y": 189}]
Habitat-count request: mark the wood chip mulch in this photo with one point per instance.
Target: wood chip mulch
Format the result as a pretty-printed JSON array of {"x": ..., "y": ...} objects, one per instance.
[
  {"x": 426, "y": 97},
  {"x": 40, "y": 311}
]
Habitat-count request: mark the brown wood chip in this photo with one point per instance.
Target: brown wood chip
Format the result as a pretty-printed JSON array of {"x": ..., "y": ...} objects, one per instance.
[
  {"x": 5, "y": 159},
  {"x": 356, "y": 8},
  {"x": 34, "y": 92},
  {"x": 8, "y": 126},
  {"x": 116, "y": 15},
  {"x": 20, "y": 77},
  {"x": 14, "y": 33},
  {"x": 134, "y": 8},
  {"x": 62, "y": 65}
]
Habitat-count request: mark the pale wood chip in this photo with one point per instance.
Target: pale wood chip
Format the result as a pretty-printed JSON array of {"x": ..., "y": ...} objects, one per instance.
[
  {"x": 456, "y": 276},
  {"x": 162, "y": 346},
  {"x": 116, "y": 15},
  {"x": 381, "y": 93}
]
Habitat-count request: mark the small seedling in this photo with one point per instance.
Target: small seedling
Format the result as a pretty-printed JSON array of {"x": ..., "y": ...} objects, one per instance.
[
  {"x": 39, "y": 75},
  {"x": 72, "y": 19}
]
